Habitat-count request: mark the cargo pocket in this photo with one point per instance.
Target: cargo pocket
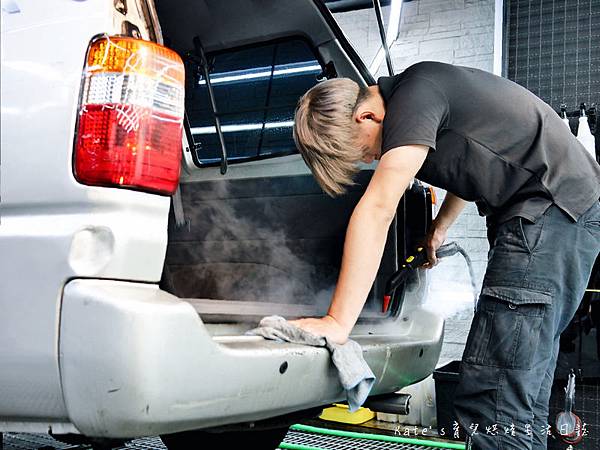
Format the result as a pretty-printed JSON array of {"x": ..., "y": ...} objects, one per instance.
[
  {"x": 505, "y": 334},
  {"x": 526, "y": 293}
]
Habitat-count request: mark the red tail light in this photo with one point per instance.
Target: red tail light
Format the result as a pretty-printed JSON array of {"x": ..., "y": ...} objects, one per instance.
[{"x": 130, "y": 118}]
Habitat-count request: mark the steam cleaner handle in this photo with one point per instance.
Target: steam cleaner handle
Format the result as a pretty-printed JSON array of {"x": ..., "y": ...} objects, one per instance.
[
  {"x": 420, "y": 256},
  {"x": 412, "y": 262}
]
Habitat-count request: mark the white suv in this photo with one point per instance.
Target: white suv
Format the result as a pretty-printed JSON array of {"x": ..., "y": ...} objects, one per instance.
[{"x": 136, "y": 251}]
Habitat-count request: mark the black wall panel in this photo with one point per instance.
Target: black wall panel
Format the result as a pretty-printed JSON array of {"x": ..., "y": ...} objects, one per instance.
[{"x": 553, "y": 49}]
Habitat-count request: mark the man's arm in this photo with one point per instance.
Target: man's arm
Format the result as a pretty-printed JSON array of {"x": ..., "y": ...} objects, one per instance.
[
  {"x": 449, "y": 211},
  {"x": 365, "y": 241}
]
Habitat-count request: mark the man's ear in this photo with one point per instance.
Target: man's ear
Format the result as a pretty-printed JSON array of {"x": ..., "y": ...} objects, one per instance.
[{"x": 367, "y": 114}]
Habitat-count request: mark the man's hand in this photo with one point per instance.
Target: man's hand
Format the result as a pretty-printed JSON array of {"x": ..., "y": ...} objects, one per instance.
[
  {"x": 434, "y": 240},
  {"x": 325, "y": 326},
  {"x": 449, "y": 211}
]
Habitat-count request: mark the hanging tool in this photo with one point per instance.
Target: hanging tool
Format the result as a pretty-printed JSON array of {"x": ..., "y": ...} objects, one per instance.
[
  {"x": 568, "y": 425},
  {"x": 563, "y": 115},
  {"x": 584, "y": 134},
  {"x": 418, "y": 259}
]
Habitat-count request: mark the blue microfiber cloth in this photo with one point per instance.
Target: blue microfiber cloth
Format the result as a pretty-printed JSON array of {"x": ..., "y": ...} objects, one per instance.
[{"x": 356, "y": 376}]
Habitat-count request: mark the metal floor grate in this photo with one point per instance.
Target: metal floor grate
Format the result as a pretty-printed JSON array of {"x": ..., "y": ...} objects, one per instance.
[
  {"x": 27, "y": 441},
  {"x": 327, "y": 442}
]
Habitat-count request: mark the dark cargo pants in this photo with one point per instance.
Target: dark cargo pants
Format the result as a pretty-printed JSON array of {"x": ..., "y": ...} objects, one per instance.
[{"x": 536, "y": 276}]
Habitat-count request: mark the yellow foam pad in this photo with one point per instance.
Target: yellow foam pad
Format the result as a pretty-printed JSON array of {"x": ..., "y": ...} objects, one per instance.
[{"x": 339, "y": 413}]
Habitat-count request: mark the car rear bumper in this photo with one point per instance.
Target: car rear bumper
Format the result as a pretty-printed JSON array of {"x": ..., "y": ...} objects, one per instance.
[{"x": 136, "y": 361}]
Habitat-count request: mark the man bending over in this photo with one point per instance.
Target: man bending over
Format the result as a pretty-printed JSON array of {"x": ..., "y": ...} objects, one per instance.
[{"x": 483, "y": 139}]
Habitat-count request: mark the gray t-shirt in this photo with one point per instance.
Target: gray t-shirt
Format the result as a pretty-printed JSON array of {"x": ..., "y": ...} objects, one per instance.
[{"x": 491, "y": 141}]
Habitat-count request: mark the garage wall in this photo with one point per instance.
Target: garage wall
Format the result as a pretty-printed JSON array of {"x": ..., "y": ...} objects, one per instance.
[
  {"x": 458, "y": 32},
  {"x": 552, "y": 50}
]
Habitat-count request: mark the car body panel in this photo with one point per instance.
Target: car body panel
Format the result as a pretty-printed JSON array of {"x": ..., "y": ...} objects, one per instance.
[
  {"x": 148, "y": 365},
  {"x": 82, "y": 313}
]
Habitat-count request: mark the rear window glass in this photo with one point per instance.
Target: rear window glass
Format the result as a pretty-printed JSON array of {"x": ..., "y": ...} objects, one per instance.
[{"x": 256, "y": 90}]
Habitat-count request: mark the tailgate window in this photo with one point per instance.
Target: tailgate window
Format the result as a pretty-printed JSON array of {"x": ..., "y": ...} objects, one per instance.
[{"x": 256, "y": 90}]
